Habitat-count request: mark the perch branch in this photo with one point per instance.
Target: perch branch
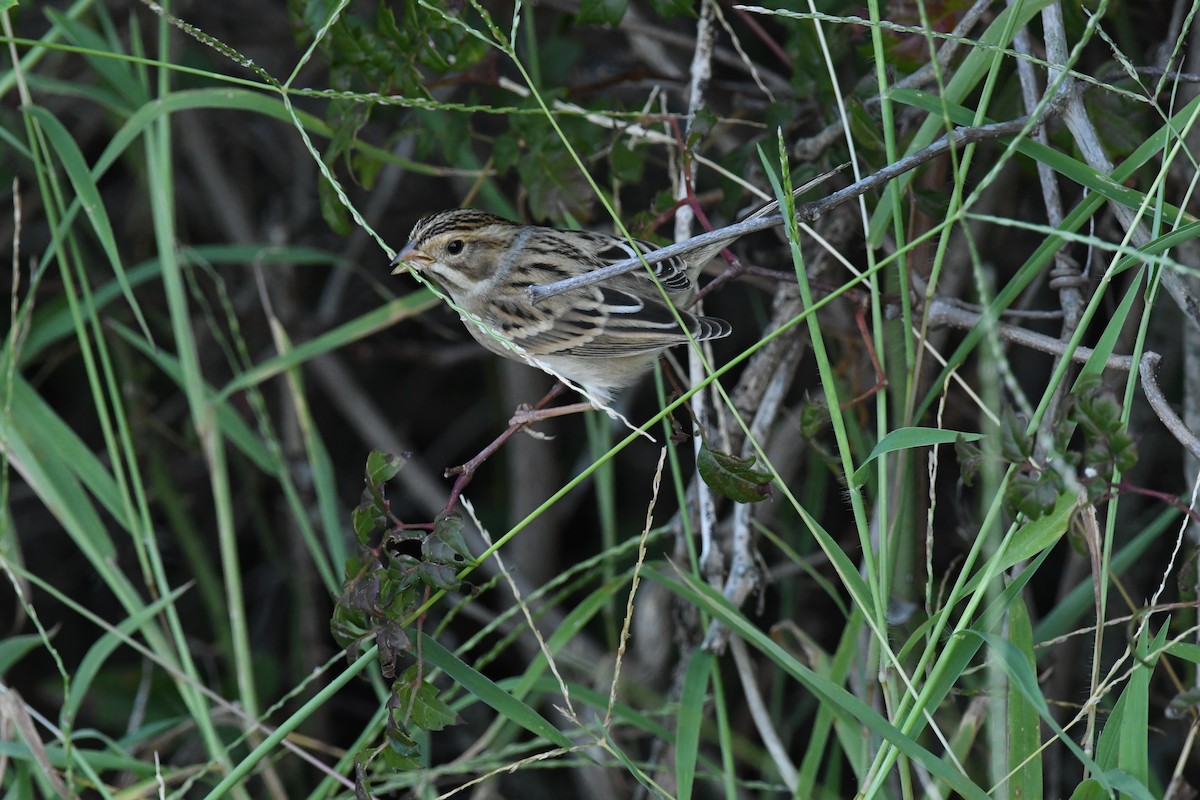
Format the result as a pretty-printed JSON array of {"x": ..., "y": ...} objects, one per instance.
[{"x": 806, "y": 212}]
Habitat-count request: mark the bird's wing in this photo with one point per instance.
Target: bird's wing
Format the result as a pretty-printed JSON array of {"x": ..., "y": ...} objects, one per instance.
[{"x": 598, "y": 321}]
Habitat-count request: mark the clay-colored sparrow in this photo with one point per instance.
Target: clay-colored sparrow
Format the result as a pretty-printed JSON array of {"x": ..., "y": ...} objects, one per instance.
[{"x": 601, "y": 337}]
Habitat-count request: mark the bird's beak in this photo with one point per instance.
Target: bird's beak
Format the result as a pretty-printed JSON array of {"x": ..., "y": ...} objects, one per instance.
[{"x": 409, "y": 257}]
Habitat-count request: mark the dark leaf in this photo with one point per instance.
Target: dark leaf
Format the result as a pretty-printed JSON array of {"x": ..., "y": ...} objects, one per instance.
[
  {"x": 397, "y": 536},
  {"x": 674, "y": 8},
  {"x": 419, "y": 702},
  {"x": 601, "y": 12},
  {"x": 778, "y": 115},
  {"x": 348, "y": 629},
  {"x": 626, "y": 163},
  {"x": 402, "y": 752},
  {"x": 732, "y": 476},
  {"x": 439, "y": 576},
  {"x": 447, "y": 544},
  {"x": 361, "y": 591},
  {"x": 866, "y": 129},
  {"x": 1015, "y": 446},
  {"x": 436, "y": 551},
  {"x": 557, "y": 57},
  {"x": 362, "y": 787},
  {"x": 1184, "y": 704},
  {"x": 367, "y": 521},
  {"x": 382, "y": 467},
  {"x": 702, "y": 125},
  {"x": 393, "y": 642},
  {"x": 1098, "y": 458},
  {"x": 332, "y": 210},
  {"x": 932, "y": 202},
  {"x": 1113, "y": 117},
  {"x": 557, "y": 187},
  {"x": 813, "y": 417},
  {"x": 506, "y": 151},
  {"x": 398, "y": 586},
  {"x": 1032, "y": 494},
  {"x": 970, "y": 459},
  {"x": 1125, "y": 452}
]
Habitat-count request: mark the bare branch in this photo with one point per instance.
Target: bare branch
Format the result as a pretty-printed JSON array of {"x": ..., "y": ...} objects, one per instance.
[{"x": 806, "y": 212}]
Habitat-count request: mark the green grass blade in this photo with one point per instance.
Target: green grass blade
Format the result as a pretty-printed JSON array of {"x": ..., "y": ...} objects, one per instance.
[
  {"x": 88, "y": 193},
  {"x": 487, "y": 692},
  {"x": 692, "y": 701}
]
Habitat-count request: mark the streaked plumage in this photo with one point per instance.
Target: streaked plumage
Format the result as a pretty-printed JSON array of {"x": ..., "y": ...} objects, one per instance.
[{"x": 601, "y": 337}]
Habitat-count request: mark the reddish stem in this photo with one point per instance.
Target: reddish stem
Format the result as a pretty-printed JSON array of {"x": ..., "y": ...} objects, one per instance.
[{"x": 467, "y": 471}]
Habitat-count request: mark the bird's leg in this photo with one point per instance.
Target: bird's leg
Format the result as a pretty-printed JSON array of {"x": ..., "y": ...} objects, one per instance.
[
  {"x": 528, "y": 415},
  {"x": 467, "y": 471}
]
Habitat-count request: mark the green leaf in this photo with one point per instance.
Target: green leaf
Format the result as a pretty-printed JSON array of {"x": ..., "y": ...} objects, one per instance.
[
  {"x": 845, "y": 706},
  {"x": 907, "y": 439},
  {"x": 393, "y": 642},
  {"x": 733, "y": 477},
  {"x": 1033, "y": 494},
  {"x": 92, "y": 665},
  {"x": 1015, "y": 446},
  {"x": 332, "y": 211},
  {"x": 970, "y": 459},
  {"x": 483, "y": 689},
  {"x": 1189, "y": 652},
  {"x": 601, "y": 12},
  {"x": 1089, "y": 790},
  {"x": 83, "y": 183},
  {"x": 1024, "y": 737},
  {"x": 633, "y": 767},
  {"x": 402, "y": 753},
  {"x": 14, "y": 648},
  {"x": 1023, "y": 678},
  {"x": 421, "y": 703},
  {"x": 382, "y": 467},
  {"x": 626, "y": 163},
  {"x": 446, "y": 544},
  {"x": 1124, "y": 449},
  {"x": 439, "y": 576},
  {"x": 1124, "y": 743},
  {"x": 1110, "y": 339},
  {"x": 813, "y": 417},
  {"x": 366, "y": 520},
  {"x": 691, "y": 717},
  {"x": 1039, "y": 534},
  {"x": 1184, "y": 704},
  {"x": 674, "y": 8}
]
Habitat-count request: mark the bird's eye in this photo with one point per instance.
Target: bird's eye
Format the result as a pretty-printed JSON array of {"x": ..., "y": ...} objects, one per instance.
[{"x": 455, "y": 247}]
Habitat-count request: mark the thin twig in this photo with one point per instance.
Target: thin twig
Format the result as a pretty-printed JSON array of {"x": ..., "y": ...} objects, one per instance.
[
  {"x": 1087, "y": 139},
  {"x": 711, "y": 565},
  {"x": 808, "y": 149},
  {"x": 761, "y": 716},
  {"x": 806, "y": 212},
  {"x": 762, "y": 389},
  {"x": 944, "y": 313}
]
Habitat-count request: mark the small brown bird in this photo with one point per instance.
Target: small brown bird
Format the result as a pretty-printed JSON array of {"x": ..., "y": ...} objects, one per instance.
[{"x": 602, "y": 337}]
